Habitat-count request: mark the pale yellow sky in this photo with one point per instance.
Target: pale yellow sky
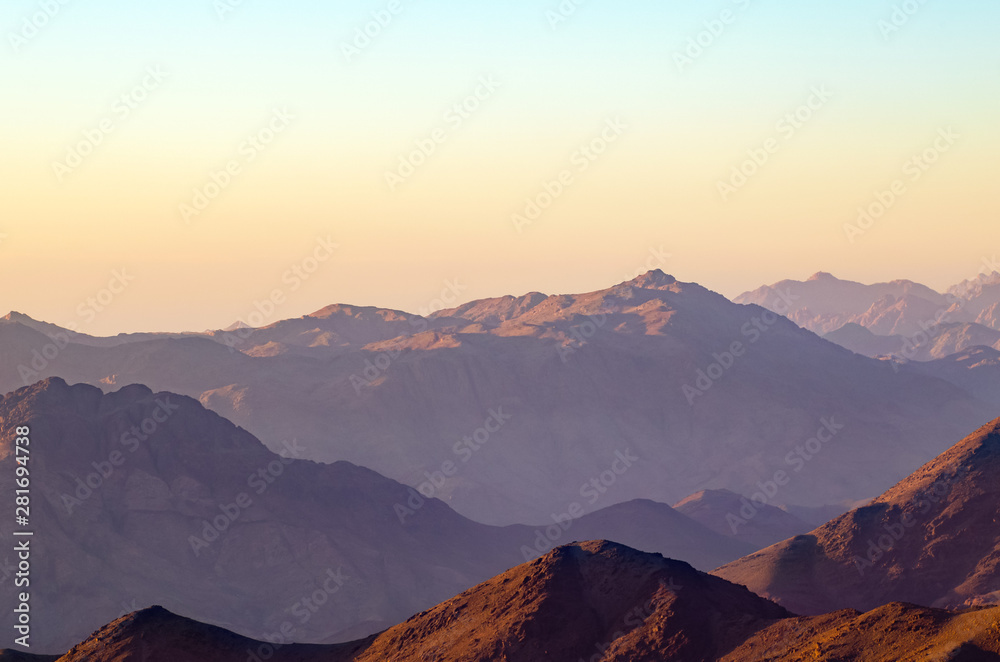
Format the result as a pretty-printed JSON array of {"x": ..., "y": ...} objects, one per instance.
[{"x": 310, "y": 137}]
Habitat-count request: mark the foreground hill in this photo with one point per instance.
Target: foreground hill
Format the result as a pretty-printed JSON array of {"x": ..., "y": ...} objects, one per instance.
[
  {"x": 9, "y": 655},
  {"x": 933, "y": 539},
  {"x": 594, "y": 601},
  {"x": 582, "y": 600},
  {"x": 531, "y": 399},
  {"x": 144, "y": 498},
  {"x": 156, "y": 635}
]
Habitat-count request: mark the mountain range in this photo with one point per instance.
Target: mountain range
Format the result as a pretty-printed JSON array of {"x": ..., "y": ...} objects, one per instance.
[
  {"x": 901, "y": 317},
  {"x": 145, "y": 498},
  {"x": 530, "y": 402},
  {"x": 412, "y": 487}
]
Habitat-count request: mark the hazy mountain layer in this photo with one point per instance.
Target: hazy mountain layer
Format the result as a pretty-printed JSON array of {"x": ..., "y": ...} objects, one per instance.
[
  {"x": 944, "y": 341},
  {"x": 518, "y": 409},
  {"x": 731, "y": 514},
  {"x": 903, "y": 318},
  {"x": 825, "y": 303},
  {"x": 142, "y": 498}
]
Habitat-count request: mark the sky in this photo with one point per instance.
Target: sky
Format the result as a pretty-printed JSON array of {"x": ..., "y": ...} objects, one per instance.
[{"x": 175, "y": 166}]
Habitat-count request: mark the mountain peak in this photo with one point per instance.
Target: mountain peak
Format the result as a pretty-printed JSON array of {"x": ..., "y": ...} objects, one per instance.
[
  {"x": 154, "y": 615},
  {"x": 974, "y": 287},
  {"x": 582, "y": 597},
  {"x": 14, "y": 316},
  {"x": 654, "y": 279},
  {"x": 155, "y": 633},
  {"x": 822, "y": 275}
]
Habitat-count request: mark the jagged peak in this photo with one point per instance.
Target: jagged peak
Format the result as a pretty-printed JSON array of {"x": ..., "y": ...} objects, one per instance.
[
  {"x": 655, "y": 279},
  {"x": 14, "y": 316}
]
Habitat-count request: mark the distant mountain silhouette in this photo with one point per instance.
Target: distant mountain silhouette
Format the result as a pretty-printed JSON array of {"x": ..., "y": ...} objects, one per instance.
[
  {"x": 731, "y": 514},
  {"x": 903, "y": 318}
]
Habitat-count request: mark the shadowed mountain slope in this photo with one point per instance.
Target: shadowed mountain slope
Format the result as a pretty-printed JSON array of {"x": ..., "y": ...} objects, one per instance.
[
  {"x": 933, "y": 539},
  {"x": 144, "y": 498}
]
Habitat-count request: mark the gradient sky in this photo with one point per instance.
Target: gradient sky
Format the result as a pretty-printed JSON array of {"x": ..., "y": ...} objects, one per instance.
[{"x": 653, "y": 189}]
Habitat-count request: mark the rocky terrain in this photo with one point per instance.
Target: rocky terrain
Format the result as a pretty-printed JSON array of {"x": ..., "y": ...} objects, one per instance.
[{"x": 933, "y": 539}]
